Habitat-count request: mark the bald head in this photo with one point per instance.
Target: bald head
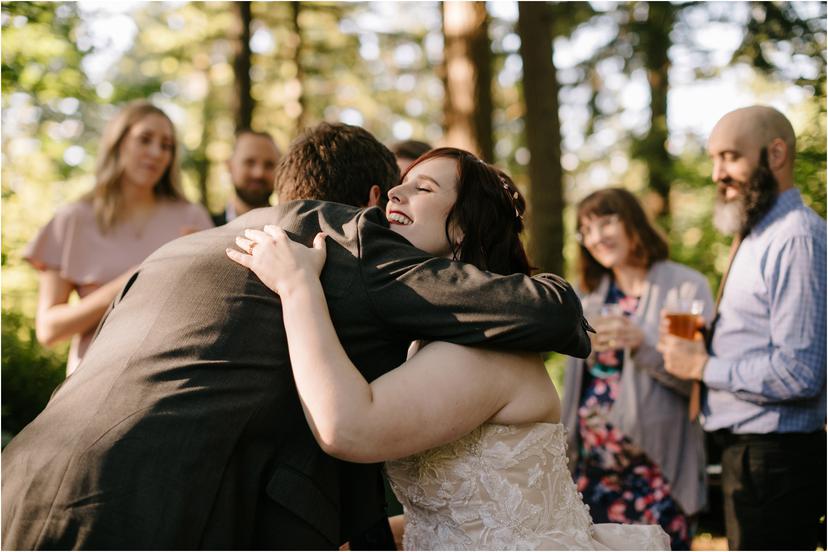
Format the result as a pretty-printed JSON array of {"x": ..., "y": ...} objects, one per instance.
[
  {"x": 737, "y": 140},
  {"x": 757, "y": 126}
]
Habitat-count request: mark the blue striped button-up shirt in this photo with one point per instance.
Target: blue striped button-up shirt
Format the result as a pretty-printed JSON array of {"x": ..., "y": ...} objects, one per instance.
[{"x": 766, "y": 372}]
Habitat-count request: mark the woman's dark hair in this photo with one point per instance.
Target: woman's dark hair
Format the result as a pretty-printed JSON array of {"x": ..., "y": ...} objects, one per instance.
[
  {"x": 648, "y": 244},
  {"x": 489, "y": 211},
  {"x": 410, "y": 149}
]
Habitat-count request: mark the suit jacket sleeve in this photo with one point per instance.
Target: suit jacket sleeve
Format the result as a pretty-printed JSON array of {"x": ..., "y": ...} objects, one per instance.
[{"x": 431, "y": 298}]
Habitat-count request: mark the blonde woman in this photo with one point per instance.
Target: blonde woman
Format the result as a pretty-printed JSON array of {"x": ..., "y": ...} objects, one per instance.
[{"x": 91, "y": 246}]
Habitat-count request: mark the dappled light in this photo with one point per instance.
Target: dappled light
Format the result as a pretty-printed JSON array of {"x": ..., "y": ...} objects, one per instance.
[{"x": 568, "y": 98}]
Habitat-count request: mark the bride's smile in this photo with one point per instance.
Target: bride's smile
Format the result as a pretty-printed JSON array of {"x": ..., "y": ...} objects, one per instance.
[{"x": 418, "y": 207}]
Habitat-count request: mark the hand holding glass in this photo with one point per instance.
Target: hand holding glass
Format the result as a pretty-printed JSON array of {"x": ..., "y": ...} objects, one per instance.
[
  {"x": 683, "y": 317},
  {"x": 608, "y": 324}
]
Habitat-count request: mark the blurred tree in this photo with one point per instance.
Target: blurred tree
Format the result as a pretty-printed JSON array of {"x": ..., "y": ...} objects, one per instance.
[
  {"x": 241, "y": 65},
  {"x": 184, "y": 61},
  {"x": 787, "y": 42},
  {"x": 654, "y": 42},
  {"x": 778, "y": 33},
  {"x": 543, "y": 136},
  {"x": 50, "y": 123},
  {"x": 199, "y": 160},
  {"x": 539, "y": 24},
  {"x": 644, "y": 36},
  {"x": 468, "y": 78},
  {"x": 295, "y": 43}
]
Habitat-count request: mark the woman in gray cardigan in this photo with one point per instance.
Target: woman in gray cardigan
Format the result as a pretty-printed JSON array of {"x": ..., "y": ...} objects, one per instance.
[{"x": 635, "y": 455}]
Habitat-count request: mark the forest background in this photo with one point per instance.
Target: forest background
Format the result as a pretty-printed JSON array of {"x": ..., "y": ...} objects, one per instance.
[{"x": 568, "y": 97}]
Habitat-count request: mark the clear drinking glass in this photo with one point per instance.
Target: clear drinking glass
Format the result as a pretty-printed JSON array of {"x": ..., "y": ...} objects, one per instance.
[{"x": 682, "y": 316}]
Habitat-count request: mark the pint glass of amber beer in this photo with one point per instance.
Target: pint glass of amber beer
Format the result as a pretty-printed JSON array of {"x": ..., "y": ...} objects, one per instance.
[{"x": 683, "y": 315}]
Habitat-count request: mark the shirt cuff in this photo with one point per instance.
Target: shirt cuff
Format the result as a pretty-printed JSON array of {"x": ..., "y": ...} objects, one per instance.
[{"x": 716, "y": 373}]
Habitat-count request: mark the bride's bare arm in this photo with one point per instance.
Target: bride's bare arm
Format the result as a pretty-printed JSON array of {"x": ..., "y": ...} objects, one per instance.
[{"x": 440, "y": 394}]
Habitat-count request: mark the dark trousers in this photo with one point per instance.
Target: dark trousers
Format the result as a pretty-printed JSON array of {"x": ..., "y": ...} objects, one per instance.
[
  {"x": 774, "y": 488},
  {"x": 280, "y": 529},
  {"x": 277, "y": 528},
  {"x": 378, "y": 537}
]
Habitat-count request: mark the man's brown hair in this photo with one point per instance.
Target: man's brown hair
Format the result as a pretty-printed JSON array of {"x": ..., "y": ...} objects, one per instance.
[{"x": 336, "y": 162}]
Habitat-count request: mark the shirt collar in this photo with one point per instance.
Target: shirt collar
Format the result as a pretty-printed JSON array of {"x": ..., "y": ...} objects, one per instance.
[
  {"x": 230, "y": 211},
  {"x": 784, "y": 202}
]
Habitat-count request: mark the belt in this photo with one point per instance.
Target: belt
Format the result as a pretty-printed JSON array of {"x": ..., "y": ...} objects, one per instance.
[{"x": 725, "y": 437}]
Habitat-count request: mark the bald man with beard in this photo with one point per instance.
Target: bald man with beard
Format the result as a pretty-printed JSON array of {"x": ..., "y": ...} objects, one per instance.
[{"x": 763, "y": 374}]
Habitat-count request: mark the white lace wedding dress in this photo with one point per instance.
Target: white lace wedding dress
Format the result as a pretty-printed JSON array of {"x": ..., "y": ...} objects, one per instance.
[{"x": 504, "y": 487}]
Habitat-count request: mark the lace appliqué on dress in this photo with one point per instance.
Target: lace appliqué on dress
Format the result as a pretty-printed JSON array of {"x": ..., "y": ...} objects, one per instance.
[{"x": 504, "y": 487}]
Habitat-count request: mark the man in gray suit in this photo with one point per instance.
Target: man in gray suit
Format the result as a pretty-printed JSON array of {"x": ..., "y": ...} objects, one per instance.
[{"x": 182, "y": 428}]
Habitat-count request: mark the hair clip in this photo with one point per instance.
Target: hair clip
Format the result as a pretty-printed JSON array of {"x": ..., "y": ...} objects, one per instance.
[{"x": 513, "y": 196}]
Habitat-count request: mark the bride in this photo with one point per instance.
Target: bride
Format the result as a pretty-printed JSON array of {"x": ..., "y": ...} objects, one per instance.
[{"x": 471, "y": 437}]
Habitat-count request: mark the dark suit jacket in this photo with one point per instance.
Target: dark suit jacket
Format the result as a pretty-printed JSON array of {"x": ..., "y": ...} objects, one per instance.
[
  {"x": 184, "y": 409},
  {"x": 219, "y": 219}
]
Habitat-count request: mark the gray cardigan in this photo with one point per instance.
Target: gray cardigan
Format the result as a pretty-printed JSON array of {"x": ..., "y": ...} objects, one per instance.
[{"x": 651, "y": 407}]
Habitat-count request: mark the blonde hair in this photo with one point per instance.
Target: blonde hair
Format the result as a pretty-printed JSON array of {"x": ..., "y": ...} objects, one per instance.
[{"x": 107, "y": 196}]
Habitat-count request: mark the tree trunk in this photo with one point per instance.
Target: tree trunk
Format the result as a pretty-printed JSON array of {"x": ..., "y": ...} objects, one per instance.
[
  {"x": 468, "y": 78},
  {"x": 241, "y": 65},
  {"x": 655, "y": 41},
  {"x": 543, "y": 137},
  {"x": 201, "y": 162},
  {"x": 296, "y": 40}
]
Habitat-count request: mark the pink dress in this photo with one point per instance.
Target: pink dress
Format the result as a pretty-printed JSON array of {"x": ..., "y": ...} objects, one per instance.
[{"x": 72, "y": 244}]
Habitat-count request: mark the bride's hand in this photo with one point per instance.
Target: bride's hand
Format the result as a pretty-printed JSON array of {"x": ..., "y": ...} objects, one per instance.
[{"x": 280, "y": 263}]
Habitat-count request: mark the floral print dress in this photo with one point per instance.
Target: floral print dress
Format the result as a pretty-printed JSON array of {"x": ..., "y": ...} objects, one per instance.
[{"x": 619, "y": 482}]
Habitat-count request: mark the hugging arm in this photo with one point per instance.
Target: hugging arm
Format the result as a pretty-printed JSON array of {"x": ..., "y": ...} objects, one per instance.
[
  {"x": 438, "y": 299},
  {"x": 445, "y": 388}
]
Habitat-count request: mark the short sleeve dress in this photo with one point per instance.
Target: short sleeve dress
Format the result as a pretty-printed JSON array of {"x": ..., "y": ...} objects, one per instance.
[{"x": 73, "y": 244}]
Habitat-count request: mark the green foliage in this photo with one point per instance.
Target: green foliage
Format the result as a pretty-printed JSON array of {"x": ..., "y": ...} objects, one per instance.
[
  {"x": 556, "y": 367},
  {"x": 809, "y": 175},
  {"x": 38, "y": 55},
  {"x": 29, "y": 373},
  {"x": 781, "y": 27}
]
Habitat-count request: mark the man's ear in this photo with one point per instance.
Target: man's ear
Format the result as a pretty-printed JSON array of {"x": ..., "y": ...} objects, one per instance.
[
  {"x": 374, "y": 195},
  {"x": 778, "y": 154}
]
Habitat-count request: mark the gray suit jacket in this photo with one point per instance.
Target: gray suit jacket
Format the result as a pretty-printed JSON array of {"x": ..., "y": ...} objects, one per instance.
[{"x": 184, "y": 414}]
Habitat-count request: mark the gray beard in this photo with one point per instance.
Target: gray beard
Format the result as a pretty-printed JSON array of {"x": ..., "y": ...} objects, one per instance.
[
  {"x": 755, "y": 200},
  {"x": 729, "y": 217}
]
